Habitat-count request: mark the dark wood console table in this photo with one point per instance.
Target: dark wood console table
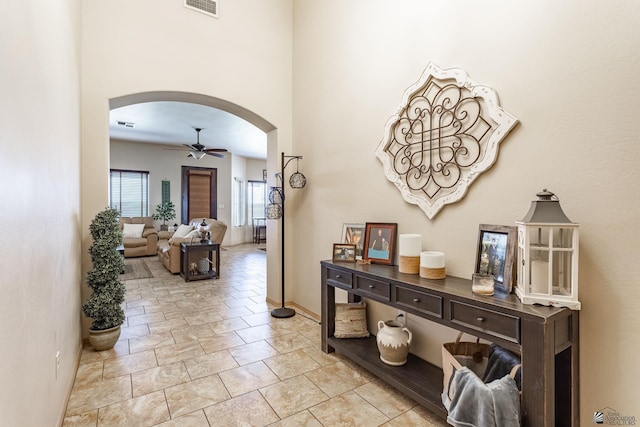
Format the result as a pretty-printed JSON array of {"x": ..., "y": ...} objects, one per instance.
[{"x": 545, "y": 337}]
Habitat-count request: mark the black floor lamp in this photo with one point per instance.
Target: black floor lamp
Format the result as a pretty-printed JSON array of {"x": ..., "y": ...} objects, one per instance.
[{"x": 275, "y": 210}]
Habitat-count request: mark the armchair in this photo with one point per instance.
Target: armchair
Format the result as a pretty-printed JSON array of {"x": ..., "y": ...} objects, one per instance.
[
  {"x": 169, "y": 248},
  {"x": 135, "y": 243}
]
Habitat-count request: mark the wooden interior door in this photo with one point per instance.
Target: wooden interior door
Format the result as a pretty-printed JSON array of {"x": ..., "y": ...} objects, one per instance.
[{"x": 199, "y": 193}]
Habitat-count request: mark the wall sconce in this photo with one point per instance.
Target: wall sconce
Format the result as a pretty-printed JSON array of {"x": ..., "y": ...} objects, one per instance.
[
  {"x": 548, "y": 255},
  {"x": 275, "y": 210}
]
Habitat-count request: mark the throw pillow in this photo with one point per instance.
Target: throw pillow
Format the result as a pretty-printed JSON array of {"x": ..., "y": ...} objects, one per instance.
[
  {"x": 193, "y": 234},
  {"x": 182, "y": 230},
  {"x": 132, "y": 231},
  {"x": 351, "y": 320}
]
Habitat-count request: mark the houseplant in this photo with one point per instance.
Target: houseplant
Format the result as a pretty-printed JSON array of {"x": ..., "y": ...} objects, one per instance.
[
  {"x": 105, "y": 304},
  {"x": 165, "y": 211}
]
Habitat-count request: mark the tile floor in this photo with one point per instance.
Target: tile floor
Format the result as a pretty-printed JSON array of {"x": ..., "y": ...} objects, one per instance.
[{"x": 208, "y": 353}]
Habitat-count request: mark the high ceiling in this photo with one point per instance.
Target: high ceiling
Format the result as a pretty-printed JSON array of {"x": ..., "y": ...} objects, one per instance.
[{"x": 174, "y": 123}]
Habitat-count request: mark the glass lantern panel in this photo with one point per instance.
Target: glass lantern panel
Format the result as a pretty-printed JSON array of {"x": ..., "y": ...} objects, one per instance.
[
  {"x": 539, "y": 269},
  {"x": 562, "y": 237},
  {"x": 539, "y": 237},
  {"x": 562, "y": 261}
]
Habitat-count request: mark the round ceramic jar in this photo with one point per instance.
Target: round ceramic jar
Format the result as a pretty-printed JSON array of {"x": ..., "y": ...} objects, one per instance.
[{"x": 393, "y": 340}]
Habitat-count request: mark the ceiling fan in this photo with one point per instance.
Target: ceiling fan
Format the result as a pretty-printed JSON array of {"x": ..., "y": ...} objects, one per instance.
[{"x": 198, "y": 150}]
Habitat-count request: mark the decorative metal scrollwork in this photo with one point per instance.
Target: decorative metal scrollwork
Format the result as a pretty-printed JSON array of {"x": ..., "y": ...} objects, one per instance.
[{"x": 445, "y": 134}]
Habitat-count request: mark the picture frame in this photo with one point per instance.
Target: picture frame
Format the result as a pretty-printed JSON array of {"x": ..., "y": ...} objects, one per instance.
[
  {"x": 353, "y": 233},
  {"x": 496, "y": 253},
  {"x": 380, "y": 242},
  {"x": 343, "y": 252}
]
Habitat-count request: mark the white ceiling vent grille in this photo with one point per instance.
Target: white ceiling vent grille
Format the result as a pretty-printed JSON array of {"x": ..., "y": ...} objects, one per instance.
[{"x": 208, "y": 7}]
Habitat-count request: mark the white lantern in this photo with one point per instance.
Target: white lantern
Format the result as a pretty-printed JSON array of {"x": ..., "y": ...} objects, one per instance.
[{"x": 548, "y": 255}]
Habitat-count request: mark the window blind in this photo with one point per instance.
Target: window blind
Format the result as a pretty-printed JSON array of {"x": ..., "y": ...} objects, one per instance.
[{"x": 129, "y": 192}]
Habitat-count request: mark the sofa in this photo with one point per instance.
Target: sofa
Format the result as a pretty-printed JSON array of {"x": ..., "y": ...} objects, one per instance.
[
  {"x": 169, "y": 244},
  {"x": 140, "y": 237}
]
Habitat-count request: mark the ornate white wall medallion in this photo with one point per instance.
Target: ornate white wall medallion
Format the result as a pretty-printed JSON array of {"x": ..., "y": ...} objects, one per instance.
[{"x": 444, "y": 135}]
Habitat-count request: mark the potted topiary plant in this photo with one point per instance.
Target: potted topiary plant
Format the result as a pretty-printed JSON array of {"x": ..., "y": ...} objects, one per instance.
[
  {"x": 105, "y": 304},
  {"x": 165, "y": 211}
]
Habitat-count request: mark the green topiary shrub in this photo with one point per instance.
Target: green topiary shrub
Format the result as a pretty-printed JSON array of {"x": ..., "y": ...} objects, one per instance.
[{"x": 105, "y": 304}]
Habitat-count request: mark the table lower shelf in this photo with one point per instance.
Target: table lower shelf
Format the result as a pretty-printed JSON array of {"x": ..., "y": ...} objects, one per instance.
[{"x": 417, "y": 379}]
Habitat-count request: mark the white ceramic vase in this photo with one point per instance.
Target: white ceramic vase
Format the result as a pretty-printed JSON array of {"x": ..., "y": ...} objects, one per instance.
[{"x": 394, "y": 341}]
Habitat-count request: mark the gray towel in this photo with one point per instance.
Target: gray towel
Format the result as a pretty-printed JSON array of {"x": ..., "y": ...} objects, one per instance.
[{"x": 476, "y": 404}]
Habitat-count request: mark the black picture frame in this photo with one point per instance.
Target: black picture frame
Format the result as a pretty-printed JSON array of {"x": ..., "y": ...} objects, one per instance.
[
  {"x": 343, "y": 252},
  {"x": 496, "y": 253},
  {"x": 380, "y": 242}
]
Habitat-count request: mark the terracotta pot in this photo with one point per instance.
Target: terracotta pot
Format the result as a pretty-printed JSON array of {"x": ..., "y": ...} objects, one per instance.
[
  {"x": 393, "y": 340},
  {"x": 104, "y": 339}
]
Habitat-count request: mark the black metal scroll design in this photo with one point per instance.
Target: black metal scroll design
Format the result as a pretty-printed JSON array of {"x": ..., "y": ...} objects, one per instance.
[{"x": 439, "y": 135}]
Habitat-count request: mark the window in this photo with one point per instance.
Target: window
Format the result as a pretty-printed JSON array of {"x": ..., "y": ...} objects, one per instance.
[
  {"x": 129, "y": 192},
  {"x": 257, "y": 197},
  {"x": 238, "y": 202}
]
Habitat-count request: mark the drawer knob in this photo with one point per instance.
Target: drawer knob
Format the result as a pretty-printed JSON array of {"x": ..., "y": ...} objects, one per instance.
[
  {"x": 480, "y": 319},
  {"x": 371, "y": 286},
  {"x": 338, "y": 276},
  {"x": 416, "y": 300}
]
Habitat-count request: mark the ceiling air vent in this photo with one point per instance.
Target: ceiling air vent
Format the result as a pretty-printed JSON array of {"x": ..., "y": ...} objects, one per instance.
[{"x": 208, "y": 7}]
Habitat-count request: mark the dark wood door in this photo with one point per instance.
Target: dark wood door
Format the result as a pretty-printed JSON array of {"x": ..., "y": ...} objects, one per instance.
[{"x": 199, "y": 193}]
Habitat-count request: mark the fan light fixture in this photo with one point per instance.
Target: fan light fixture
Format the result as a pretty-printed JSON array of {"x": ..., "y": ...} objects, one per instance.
[{"x": 197, "y": 154}]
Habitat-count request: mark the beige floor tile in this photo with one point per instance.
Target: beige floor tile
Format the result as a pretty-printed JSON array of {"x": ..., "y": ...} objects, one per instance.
[
  {"x": 197, "y": 394},
  {"x": 288, "y": 342},
  {"x": 159, "y": 378},
  {"x": 129, "y": 363},
  {"x": 194, "y": 419},
  {"x": 145, "y": 318},
  {"x": 253, "y": 352},
  {"x": 257, "y": 333},
  {"x": 146, "y": 410},
  {"x": 231, "y": 313},
  {"x": 248, "y": 378},
  {"x": 348, "y": 409},
  {"x": 149, "y": 342},
  {"x": 385, "y": 398},
  {"x": 87, "y": 419},
  {"x": 134, "y": 332},
  {"x": 221, "y": 342},
  {"x": 203, "y": 318},
  {"x": 304, "y": 418},
  {"x": 102, "y": 393},
  {"x": 291, "y": 364},
  {"x": 89, "y": 373},
  {"x": 336, "y": 379},
  {"x": 177, "y": 352},
  {"x": 167, "y": 325},
  {"x": 192, "y": 333},
  {"x": 291, "y": 396},
  {"x": 247, "y": 410},
  {"x": 89, "y": 355},
  {"x": 321, "y": 357},
  {"x": 209, "y": 364},
  {"x": 228, "y": 325},
  {"x": 417, "y": 417}
]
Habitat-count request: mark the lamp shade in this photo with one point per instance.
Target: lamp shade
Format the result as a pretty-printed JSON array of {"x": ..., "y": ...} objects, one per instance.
[{"x": 297, "y": 180}]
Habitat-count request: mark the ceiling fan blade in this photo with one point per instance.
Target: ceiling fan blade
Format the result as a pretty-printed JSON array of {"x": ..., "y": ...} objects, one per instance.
[
  {"x": 214, "y": 154},
  {"x": 216, "y": 150}
]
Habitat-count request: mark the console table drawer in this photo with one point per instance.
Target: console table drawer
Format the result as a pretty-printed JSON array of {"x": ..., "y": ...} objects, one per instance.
[
  {"x": 373, "y": 287},
  {"x": 340, "y": 276},
  {"x": 420, "y": 301},
  {"x": 498, "y": 324}
]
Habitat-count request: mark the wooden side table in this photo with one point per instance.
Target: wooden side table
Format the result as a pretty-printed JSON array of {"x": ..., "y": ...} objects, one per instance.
[{"x": 193, "y": 253}]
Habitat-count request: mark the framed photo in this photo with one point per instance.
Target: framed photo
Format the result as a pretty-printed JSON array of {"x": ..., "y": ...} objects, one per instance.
[
  {"x": 496, "y": 253},
  {"x": 380, "y": 242},
  {"x": 354, "y": 234},
  {"x": 343, "y": 252}
]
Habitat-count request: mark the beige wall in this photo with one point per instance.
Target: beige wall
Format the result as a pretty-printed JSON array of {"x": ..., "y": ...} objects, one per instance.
[
  {"x": 567, "y": 70},
  {"x": 39, "y": 209}
]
